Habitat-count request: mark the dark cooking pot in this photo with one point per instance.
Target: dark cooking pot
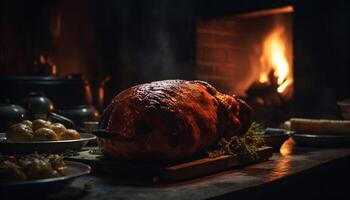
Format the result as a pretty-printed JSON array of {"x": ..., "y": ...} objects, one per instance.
[
  {"x": 10, "y": 114},
  {"x": 38, "y": 105},
  {"x": 80, "y": 114},
  {"x": 64, "y": 91},
  {"x": 35, "y": 106}
]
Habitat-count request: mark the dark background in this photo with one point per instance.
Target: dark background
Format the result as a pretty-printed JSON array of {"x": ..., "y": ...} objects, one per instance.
[{"x": 140, "y": 41}]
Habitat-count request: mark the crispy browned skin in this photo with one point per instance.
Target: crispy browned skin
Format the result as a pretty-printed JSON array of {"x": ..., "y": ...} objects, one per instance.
[{"x": 170, "y": 119}]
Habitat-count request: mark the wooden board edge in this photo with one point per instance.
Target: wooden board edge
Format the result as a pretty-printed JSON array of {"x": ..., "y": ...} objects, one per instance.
[{"x": 208, "y": 166}]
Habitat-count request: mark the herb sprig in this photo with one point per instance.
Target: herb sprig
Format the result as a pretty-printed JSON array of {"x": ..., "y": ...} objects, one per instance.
[{"x": 245, "y": 146}]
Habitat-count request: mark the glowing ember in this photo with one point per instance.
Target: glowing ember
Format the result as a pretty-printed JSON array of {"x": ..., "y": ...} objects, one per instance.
[
  {"x": 274, "y": 59},
  {"x": 263, "y": 78},
  {"x": 284, "y": 85}
]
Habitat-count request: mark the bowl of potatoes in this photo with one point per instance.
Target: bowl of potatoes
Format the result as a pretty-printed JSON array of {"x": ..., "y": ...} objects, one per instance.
[{"x": 42, "y": 136}]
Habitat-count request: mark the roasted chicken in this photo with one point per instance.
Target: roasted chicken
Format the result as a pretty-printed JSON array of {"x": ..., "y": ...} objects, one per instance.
[{"x": 170, "y": 119}]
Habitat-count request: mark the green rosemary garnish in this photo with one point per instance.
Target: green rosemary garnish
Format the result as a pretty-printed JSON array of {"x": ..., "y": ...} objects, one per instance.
[
  {"x": 245, "y": 146},
  {"x": 70, "y": 153},
  {"x": 95, "y": 151}
]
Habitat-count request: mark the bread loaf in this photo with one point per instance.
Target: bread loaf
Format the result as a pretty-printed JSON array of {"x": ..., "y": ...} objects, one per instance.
[{"x": 320, "y": 126}]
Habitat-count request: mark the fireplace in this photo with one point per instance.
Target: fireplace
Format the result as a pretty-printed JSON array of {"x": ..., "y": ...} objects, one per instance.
[
  {"x": 249, "y": 55},
  {"x": 230, "y": 38},
  {"x": 235, "y": 52}
]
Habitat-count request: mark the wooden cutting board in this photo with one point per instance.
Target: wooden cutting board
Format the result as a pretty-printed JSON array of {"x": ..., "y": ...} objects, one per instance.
[{"x": 168, "y": 172}]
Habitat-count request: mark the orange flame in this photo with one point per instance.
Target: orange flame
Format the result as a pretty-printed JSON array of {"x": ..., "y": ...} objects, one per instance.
[{"x": 274, "y": 58}]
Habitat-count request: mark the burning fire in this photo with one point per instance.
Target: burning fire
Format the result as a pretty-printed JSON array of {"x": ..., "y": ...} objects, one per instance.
[{"x": 274, "y": 61}]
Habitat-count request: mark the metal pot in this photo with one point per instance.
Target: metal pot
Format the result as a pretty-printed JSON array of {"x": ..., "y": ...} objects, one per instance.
[
  {"x": 80, "y": 114},
  {"x": 40, "y": 107},
  {"x": 64, "y": 91},
  {"x": 10, "y": 114},
  {"x": 37, "y": 105}
]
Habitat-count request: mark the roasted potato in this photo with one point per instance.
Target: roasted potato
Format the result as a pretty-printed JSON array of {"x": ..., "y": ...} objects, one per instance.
[
  {"x": 40, "y": 123},
  {"x": 58, "y": 164},
  {"x": 27, "y": 122},
  {"x": 58, "y": 128},
  {"x": 40, "y": 130},
  {"x": 70, "y": 134},
  {"x": 10, "y": 171},
  {"x": 19, "y": 132},
  {"x": 45, "y": 134},
  {"x": 39, "y": 168},
  {"x": 32, "y": 166}
]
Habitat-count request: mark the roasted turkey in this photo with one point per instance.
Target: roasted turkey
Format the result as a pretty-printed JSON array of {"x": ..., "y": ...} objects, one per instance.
[{"x": 170, "y": 119}]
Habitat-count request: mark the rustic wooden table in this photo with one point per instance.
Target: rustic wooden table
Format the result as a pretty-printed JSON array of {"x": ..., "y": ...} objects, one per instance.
[{"x": 294, "y": 173}]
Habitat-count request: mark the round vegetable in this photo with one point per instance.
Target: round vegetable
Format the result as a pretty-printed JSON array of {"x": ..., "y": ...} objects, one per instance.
[
  {"x": 58, "y": 128},
  {"x": 27, "y": 122},
  {"x": 45, "y": 134},
  {"x": 70, "y": 134},
  {"x": 40, "y": 123},
  {"x": 19, "y": 132}
]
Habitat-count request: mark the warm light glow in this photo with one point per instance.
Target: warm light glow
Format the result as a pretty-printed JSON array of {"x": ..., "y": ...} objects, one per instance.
[
  {"x": 263, "y": 78},
  {"x": 287, "y": 148},
  {"x": 54, "y": 70},
  {"x": 284, "y": 85},
  {"x": 273, "y": 59},
  {"x": 101, "y": 95},
  {"x": 42, "y": 59},
  {"x": 266, "y": 12},
  {"x": 88, "y": 93}
]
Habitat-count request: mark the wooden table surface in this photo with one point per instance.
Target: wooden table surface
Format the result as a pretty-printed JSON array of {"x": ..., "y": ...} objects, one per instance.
[{"x": 293, "y": 173}]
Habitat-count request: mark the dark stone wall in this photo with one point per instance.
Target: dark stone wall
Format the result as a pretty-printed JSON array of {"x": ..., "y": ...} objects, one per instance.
[
  {"x": 132, "y": 41},
  {"x": 145, "y": 40},
  {"x": 321, "y": 57},
  {"x": 24, "y": 33},
  {"x": 140, "y": 41}
]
